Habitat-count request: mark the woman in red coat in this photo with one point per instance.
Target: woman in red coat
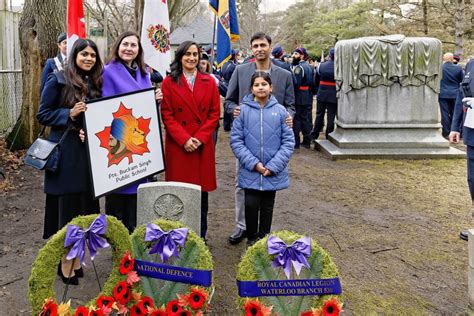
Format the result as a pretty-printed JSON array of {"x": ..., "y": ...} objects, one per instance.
[{"x": 190, "y": 110}]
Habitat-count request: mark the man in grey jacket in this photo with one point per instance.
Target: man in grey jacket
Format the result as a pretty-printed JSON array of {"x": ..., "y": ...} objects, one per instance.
[{"x": 239, "y": 86}]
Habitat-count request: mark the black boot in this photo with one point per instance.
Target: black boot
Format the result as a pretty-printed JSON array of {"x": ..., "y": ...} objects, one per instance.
[{"x": 71, "y": 281}]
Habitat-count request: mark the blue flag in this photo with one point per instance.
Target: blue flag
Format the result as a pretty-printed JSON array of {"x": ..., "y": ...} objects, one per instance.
[{"x": 227, "y": 28}]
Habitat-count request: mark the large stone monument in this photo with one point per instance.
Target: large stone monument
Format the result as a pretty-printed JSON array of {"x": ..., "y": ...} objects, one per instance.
[
  {"x": 388, "y": 100},
  {"x": 176, "y": 201}
]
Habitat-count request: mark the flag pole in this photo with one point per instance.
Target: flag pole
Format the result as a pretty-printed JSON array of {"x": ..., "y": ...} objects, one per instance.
[{"x": 213, "y": 40}]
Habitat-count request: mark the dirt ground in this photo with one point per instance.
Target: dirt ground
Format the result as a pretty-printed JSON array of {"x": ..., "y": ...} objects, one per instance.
[{"x": 391, "y": 226}]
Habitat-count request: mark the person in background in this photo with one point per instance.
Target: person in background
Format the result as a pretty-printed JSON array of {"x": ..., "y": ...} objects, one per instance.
[
  {"x": 126, "y": 72},
  {"x": 467, "y": 135},
  {"x": 325, "y": 88},
  {"x": 206, "y": 68},
  {"x": 227, "y": 71},
  {"x": 278, "y": 53},
  {"x": 61, "y": 107},
  {"x": 57, "y": 63},
  {"x": 303, "y": 81},
  {"x": 456, "y": 59},
  {"x": 452, "y": 77},
  {"x": 263, "y": 143},
  {"x": 190, "y": 110}
]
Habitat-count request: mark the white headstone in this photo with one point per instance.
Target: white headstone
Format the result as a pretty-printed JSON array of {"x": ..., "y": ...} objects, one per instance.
[{"x": 176, "y": 201}]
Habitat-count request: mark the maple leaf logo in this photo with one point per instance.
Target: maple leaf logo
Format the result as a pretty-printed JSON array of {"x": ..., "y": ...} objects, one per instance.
[{"x": 126, "y": 136}]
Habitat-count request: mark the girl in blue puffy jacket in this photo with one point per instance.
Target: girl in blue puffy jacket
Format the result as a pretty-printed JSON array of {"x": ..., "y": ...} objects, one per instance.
[{"x": 263, "y": 143}]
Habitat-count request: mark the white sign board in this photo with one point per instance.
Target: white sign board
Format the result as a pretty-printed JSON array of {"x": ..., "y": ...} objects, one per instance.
[{"x": 124, "y": 141}]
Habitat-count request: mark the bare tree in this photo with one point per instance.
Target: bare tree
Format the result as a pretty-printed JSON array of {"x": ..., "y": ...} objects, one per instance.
[
  {"x": 177, "y": 9},
  {"x": 250, "y": 20},
  {"x": 459, "y": 27},
  {"x": 40, "y": 24},
  {"x": 116, "y": 16}
]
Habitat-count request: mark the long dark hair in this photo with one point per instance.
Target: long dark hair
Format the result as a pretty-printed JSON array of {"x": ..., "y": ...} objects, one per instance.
[
  {"x": 176, "y": 66},
  {"x": 260, "y": 74},
  {"x": 81, "y": 84},
  {"x": 114, "y": 56}
]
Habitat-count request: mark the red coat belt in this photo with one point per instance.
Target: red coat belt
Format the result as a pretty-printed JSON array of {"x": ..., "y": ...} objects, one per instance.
[{"x": 327, "y": 83}]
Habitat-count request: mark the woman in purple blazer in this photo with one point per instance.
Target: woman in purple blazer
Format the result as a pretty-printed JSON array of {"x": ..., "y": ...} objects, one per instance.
[{"x": 125, "y": 72}]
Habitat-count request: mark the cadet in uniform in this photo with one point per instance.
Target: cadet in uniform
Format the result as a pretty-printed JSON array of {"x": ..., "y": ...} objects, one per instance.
[
  {"x": 325, "y": 86},
  {"x": 303, "y": 82}
]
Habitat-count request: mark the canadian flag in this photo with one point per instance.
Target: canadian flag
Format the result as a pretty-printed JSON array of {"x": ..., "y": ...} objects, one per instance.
[{"x": 76, "y": 26}]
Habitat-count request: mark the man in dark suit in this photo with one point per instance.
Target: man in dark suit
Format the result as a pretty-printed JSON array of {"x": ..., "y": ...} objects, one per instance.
[
  {"x": 452, "y": 77},
  {"x": 57, "y": 63},
  {"x": 467, "y": 134},
  {"x": 325, "y": 87},
  {"x": 239, "y": 86}
]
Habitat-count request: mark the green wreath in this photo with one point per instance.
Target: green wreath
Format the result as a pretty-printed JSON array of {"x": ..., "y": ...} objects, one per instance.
[
  {"x": 43, "y": 272},
  {"x": 256, "y": 264},
  {"x": 195, "y": 254}
]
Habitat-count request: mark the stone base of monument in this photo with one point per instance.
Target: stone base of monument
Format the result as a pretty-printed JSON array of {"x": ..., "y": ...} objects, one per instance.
[{"x": 393, "y": 141}]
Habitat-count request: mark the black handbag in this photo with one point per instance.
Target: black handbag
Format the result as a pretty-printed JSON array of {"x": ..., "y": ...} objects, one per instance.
[{"x": 44, "y": 154}]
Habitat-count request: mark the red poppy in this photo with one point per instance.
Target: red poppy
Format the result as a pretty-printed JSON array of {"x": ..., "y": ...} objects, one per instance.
[
  {"x": 50, "y": 308},
  {"x": 197, "y": 298},
  {"x": 126, "y": 265},
  {"x": 138, "y": 310},
  {"x": 185, "y": 313},
  {"x": 158, "y": 312},
  {"x": 98, "y": 312},
  {"x": 173, "y": 308},
  {"x": 82, "y": 311},
  {"x": 253, "y": 308},
  {"x": 307, "y": 313},
  {"x": 105, "y": 301},
  {"x": 331, "y": 307},
  {"x": 122, "y": 293},
  {"x": 146, "y": 302}
]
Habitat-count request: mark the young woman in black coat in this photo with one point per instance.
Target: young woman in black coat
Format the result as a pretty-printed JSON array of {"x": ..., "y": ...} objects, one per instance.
[{"x": 68, "y": 189}]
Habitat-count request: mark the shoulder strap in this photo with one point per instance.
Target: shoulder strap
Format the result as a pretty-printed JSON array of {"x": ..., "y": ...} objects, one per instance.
[{"x": 58, "y": 63}]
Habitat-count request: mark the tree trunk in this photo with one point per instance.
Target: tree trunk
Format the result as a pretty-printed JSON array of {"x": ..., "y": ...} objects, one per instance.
[
  {"x": 139, "y": 6},
  {"x": 424, "y": 3},
  {"x": 459, "y": 27},
  {"x": 40, "y": 24}
]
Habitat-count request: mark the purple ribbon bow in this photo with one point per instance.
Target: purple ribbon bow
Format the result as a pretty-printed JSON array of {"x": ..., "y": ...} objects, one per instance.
[
  {"x": 77, "y": 237},
  {"x": 295, "y": 254},
  {"x": 166, "y": 242}
]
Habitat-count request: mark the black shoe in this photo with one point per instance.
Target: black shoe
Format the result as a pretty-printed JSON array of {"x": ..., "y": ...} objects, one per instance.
[
  {"x": 464, "y": 235},
  {"x": 71, "y": 281},
  {"x": 305, "y": 145},
  {"x": 79, "y": 272},
  {"x": 237, "y": 236},
  {"x": 251, "y": 242}
]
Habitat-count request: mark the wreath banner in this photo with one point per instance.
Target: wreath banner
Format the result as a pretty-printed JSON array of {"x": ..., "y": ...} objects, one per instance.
[
  {"x": 172, "y": 273},
  {"x": 289, "y": 287},
  {"x": 288, "y": 274}
]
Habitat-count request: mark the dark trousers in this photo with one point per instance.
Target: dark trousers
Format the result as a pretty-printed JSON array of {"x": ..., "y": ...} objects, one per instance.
[
  {"x": 258, "y": 212},
  {"x": 321, "y": 109},
  {"x": 446, "y": 107},
  {"x": 228, "y": 119},
  {"x": 204, "y": 211},
  {"x": 302, "y": 124},
  {"x": 470, "y": 170},
  {"x": 61, "y": 209},
  {"x": 124, "y": 207}
]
